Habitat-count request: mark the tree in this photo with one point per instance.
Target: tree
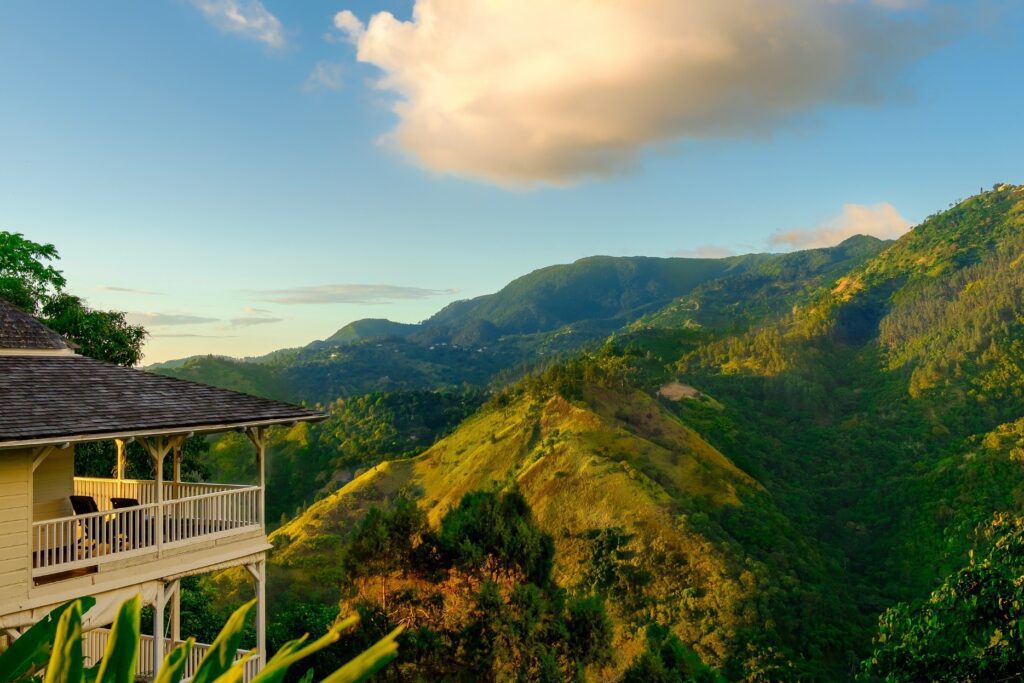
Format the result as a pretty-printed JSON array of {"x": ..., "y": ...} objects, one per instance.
[
  {"x": 668, "y": 660},
  {"x": 971, "y": 628},
  {"x": 30, "y": 282},
  {"x": 26, "y": 276},
  {"x": 384, "y": 541},
  {"x": 104, "y": 335},
  {"x": 589, "y": 630},
  {"x": 498, "y": 527}
]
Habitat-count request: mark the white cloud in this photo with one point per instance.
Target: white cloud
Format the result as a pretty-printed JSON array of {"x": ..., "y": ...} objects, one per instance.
[
  {"x": 325, "y": 76},
  {"x": 247, "y": 18},
  {"x": 349, "y": 24},
  {"x": 535, "y": 91},
  {"x": 350, "y": 294},
  {"x": 880, "y": 220},
  {"x": 168, "y": 319}
]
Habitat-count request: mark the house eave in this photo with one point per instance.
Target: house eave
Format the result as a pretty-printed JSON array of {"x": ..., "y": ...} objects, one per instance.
[{"x": 161, "y": 431}]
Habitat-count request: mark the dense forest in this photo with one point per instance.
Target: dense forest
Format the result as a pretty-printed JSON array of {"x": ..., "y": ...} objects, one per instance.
[{"x": 800, "y": 466}]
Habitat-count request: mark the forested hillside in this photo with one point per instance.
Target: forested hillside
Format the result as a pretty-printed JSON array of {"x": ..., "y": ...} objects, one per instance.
[{"x": 760, "y": 468}]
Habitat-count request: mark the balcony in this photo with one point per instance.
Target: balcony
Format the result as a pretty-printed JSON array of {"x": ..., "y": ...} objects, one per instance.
[{"x": 189, "y": 513}]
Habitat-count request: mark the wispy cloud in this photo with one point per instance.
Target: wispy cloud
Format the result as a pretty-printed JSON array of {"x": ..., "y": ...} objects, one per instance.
[
  {"x": 325, "y": 76},
  {"x": 349, "y": 294},
  {"x": 128, "y": 290},
  {"x": 247, "y": 18},
  {"x": 705, "y": 251},
  {"x": 168, "y": 319},
  {"x": 880, "y": 220},
  {"x": 249, "y": 321},
  {"x": 198, "y": 336},
  {"x": 256, "y": 311},
  {"x": 535, "y": 91}
]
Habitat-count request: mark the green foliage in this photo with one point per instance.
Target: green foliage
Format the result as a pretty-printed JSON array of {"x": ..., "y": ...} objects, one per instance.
[
  {"x": 26, "y": 276},
  {"x": 971, "y": 628},
  {"x": 384, "y": 541},
  {"x": 55, "y": 643},
  {"x": 518, "y": 621},
  {"x": 668, "y": 660},
  {"x": 105, "y": 335},
  {"x": 29, "y": 281},
  {"x": 29, "y": 654},
  {"x": 496, "y": 530}
]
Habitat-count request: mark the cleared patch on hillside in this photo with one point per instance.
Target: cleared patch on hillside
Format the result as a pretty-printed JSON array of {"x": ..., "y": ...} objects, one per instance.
[{"x": 677, "y": 391}]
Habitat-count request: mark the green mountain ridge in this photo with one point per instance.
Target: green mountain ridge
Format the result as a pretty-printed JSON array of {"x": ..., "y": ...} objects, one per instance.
[
  {"x": 848, "y": 425},
  {"x": 547, "y": 314}
]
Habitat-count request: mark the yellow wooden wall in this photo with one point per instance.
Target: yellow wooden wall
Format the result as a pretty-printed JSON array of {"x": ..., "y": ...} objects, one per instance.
[
  {"x": 52, "y": 483},
  {"x": 15, "y": 521}
]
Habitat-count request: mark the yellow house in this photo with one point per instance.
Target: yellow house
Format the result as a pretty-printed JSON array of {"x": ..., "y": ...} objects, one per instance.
[{"x": 64, "y": 537}]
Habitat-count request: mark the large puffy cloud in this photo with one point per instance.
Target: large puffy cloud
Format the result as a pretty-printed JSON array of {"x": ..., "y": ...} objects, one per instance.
[
  {"x": 880, "y": 220},
  {"x": 528, "y": 91}
]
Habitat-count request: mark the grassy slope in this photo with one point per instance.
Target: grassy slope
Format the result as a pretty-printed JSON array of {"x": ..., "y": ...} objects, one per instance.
[{"x": 615, "y": 459}]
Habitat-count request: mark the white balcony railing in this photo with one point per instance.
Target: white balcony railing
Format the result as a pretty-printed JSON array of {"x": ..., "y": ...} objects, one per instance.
[
  {"x": 95, "y": 642},
  {"x": 142, "y": 490},
  {"x": 78, "y": 541}
]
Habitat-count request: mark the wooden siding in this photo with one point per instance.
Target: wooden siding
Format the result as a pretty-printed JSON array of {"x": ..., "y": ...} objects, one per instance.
[
  {"x": 15, "y": 521},
  {"x": 52, "y": 483}
]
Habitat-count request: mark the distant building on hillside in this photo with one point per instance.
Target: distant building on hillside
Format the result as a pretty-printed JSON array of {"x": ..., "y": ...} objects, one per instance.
[{"x": 65, "y": 537}]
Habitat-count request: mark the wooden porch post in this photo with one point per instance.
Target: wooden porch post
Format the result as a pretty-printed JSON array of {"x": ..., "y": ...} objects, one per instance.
[
  {"x": 120, "y": 466},
  {"x": 176, "y": 485},
  {"x": 258, "y": 571},
  {"x": 158, "y": 628},
  {"x": 158, "y": 463},
  {"x": 176, "y": 613},
  {"x": 158, "y": 447},
  {"x": 257, "y": 436}
]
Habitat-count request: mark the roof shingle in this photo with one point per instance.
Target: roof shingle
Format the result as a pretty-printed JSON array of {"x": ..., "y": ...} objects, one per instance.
[
  {"x": 19, "y": 330},
  {"x": 64, "y": 396}
]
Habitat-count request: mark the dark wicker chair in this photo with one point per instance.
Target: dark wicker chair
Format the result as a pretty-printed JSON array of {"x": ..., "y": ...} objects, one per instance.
[{"x": 87, "y": 541}]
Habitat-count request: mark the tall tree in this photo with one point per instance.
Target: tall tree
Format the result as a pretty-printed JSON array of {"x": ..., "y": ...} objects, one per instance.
[{"x": 29, "y": 280}]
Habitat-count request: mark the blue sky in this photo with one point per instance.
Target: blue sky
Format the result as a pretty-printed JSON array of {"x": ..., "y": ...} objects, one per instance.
[{"x": 167, "y": 148}]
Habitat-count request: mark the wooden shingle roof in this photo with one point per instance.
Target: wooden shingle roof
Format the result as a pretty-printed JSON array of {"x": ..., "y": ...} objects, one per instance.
[
  {"x": 19, "y": 330},
  {"x": 77, "y": 398}
]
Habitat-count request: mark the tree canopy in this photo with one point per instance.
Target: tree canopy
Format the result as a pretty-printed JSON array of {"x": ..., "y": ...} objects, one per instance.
[{"x": 29, "y": 280}]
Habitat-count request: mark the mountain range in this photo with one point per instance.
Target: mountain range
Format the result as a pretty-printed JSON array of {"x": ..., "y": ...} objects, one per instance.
[
  {"x": 762, "y": 453},
  {"x": 544, "y": 315}
]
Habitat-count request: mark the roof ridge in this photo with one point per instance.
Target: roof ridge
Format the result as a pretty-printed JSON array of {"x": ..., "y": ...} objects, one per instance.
[{"x": 23, "y": 331}]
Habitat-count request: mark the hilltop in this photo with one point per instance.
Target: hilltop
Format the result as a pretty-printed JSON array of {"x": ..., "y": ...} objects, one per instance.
[
  {"x": 548, "y": 314},
  {"x": 609, "y": 461}
]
